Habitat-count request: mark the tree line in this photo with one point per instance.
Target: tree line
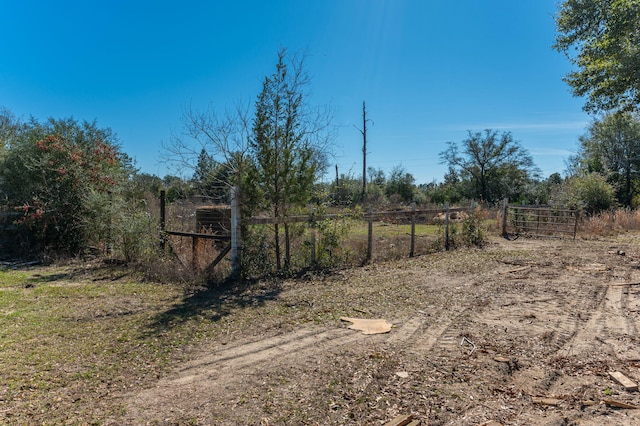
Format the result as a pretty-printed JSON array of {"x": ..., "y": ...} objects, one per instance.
[{"x": 75, "y": 189}]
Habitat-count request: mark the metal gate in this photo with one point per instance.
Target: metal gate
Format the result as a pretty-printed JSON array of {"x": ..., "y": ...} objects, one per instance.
[{"x": 539, "y": 221}]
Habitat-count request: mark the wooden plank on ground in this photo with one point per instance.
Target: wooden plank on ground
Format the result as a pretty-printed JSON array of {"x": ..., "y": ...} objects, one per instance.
[
  {"x": 401, "y": 420},
  {"x": 545, "y": 401},
  {"x": 623, "y": 380},
  {"x": 619, "y": 404}
]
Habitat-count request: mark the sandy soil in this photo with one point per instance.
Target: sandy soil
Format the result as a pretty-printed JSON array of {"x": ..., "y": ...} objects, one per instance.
[{"x": 523, "y": 333}]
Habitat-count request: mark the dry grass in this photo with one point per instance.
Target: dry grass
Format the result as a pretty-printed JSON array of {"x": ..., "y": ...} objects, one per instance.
[
  {"x": 79, "y": 342},
  {"x": 610, "y": 223},
  {"x": 76, "y": 339}
]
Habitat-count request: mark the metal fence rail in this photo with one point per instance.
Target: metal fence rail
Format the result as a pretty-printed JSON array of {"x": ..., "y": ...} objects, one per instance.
[{"x": 539, "y": 221}]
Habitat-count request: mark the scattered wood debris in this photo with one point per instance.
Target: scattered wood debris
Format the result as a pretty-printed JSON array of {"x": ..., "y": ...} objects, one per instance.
[
  {"x": 513, "y": 271},
  {"x": 369, "y": 326},
  {"x": 623, "y": 380},
  {"x": 490, "y": 423},
  {"x": 545, "y": 400},
  {"x": 592, "y": 267},
  {"x": 623, "y": 284},
  {"x": 619, "y": 404},
  {"x": 403, "y": 420}
]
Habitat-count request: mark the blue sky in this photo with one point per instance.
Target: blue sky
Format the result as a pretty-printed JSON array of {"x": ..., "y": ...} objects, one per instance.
[{"x": 429, "y": 70}]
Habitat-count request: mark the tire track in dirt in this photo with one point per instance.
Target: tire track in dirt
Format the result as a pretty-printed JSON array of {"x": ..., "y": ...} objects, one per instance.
[
  {"x": 550, "y": 319},
  {"x": 271, "y": 349},
  {"x": 226, "y": 367},
  {"x": 440, "y": 333},
  {"x": 607, "y": 327},
  {"x": 421, "y": 333},
  {"x": 544, "y": 310},
  {"x": 231, "y": 364},
  {"x": 531, "y": 314}
]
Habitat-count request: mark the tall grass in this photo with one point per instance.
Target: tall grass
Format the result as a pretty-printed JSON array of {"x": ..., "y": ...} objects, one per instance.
[{"x": 610, "y": 223}]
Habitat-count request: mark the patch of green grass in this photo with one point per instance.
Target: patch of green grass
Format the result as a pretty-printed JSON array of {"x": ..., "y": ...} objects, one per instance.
[
  {"x": 9, "y": 278},
  {"x": 69, "y": 340},
  {"x": 390, "y": 230}
]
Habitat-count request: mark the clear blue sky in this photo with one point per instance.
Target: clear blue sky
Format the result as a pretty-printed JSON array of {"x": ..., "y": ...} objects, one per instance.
[{"x": 429, "y": 70}]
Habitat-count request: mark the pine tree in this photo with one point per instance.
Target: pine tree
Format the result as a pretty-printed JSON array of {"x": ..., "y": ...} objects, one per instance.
[{"x": 286, "y": 162}]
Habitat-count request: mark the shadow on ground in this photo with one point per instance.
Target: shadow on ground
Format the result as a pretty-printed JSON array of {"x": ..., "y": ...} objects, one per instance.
[{"x": 216, "y": 302}]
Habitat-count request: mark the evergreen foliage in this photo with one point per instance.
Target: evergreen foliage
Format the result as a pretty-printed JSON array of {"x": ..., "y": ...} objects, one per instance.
[
  {"x": 61, "y": 176},
  {"x": 286, "y": 159},
  {"x": 611, "y": 147},
  {"x": 601, "y": 38}
]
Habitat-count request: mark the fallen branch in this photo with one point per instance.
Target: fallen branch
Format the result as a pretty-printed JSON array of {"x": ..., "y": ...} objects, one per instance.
[
  {"x": 511, "y": 271},
  {"x": 403, "y": 420},
  {"x": 619, "y": 404},
  {"x": 545, "y": 401}
]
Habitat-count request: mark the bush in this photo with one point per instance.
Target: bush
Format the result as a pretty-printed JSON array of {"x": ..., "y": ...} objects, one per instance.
[
  {"x": 473, "y": 232},
  {"x": 590, "y": 193},
  {"x": 470, "y": 232},
  {"x": 332, "y": 250},
  {"x": 256, "y": 258},
  {"x": 51, "y": 174}
]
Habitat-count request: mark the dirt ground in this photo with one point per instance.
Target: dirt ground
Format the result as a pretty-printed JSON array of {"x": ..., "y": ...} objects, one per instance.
[{"x": 524, "y": 332}]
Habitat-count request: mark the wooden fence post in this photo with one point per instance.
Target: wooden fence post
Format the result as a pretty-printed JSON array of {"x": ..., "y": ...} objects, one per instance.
[
  {"x": 236, "y": 236},
  {"x": 413, "y": 230},
  {"x": 313, "y": 235},
  {"x": 194, "y": 252},
  {"x": 537, "y": 216},
  {"x": 163, "y": 219},
  {"x": 505, "y": 207},
  {"x": 446, "y": 227},
  {"x": 370, "y": 236}
]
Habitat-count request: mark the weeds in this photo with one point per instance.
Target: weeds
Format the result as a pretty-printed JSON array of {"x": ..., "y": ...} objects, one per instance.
[{"x": 610, "y": 223}]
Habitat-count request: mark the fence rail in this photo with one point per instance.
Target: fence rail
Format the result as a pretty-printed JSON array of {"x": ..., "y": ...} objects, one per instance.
[
  {"x": 311, "y": 237},
  {"x": 370, "y": 217}
]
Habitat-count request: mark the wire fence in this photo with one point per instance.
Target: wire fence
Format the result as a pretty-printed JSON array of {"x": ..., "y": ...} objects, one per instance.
[{"x": 201, "y": 235}]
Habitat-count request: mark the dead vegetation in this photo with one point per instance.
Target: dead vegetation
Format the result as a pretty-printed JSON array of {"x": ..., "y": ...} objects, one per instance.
[{"x": 533, "y": 332}]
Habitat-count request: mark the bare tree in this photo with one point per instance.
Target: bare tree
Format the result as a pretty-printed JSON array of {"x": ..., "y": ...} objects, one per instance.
[{"x": 225, "y": 139}]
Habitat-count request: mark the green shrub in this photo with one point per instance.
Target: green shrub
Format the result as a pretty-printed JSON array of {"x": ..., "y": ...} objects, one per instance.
[
  {"x": 332, "y": 234},
  {"x": 590, "y": 193},
  {"x": 473, "y": 231},
  {"x": 49, "y": 174},
  {"x": 256, "y": 256}
]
